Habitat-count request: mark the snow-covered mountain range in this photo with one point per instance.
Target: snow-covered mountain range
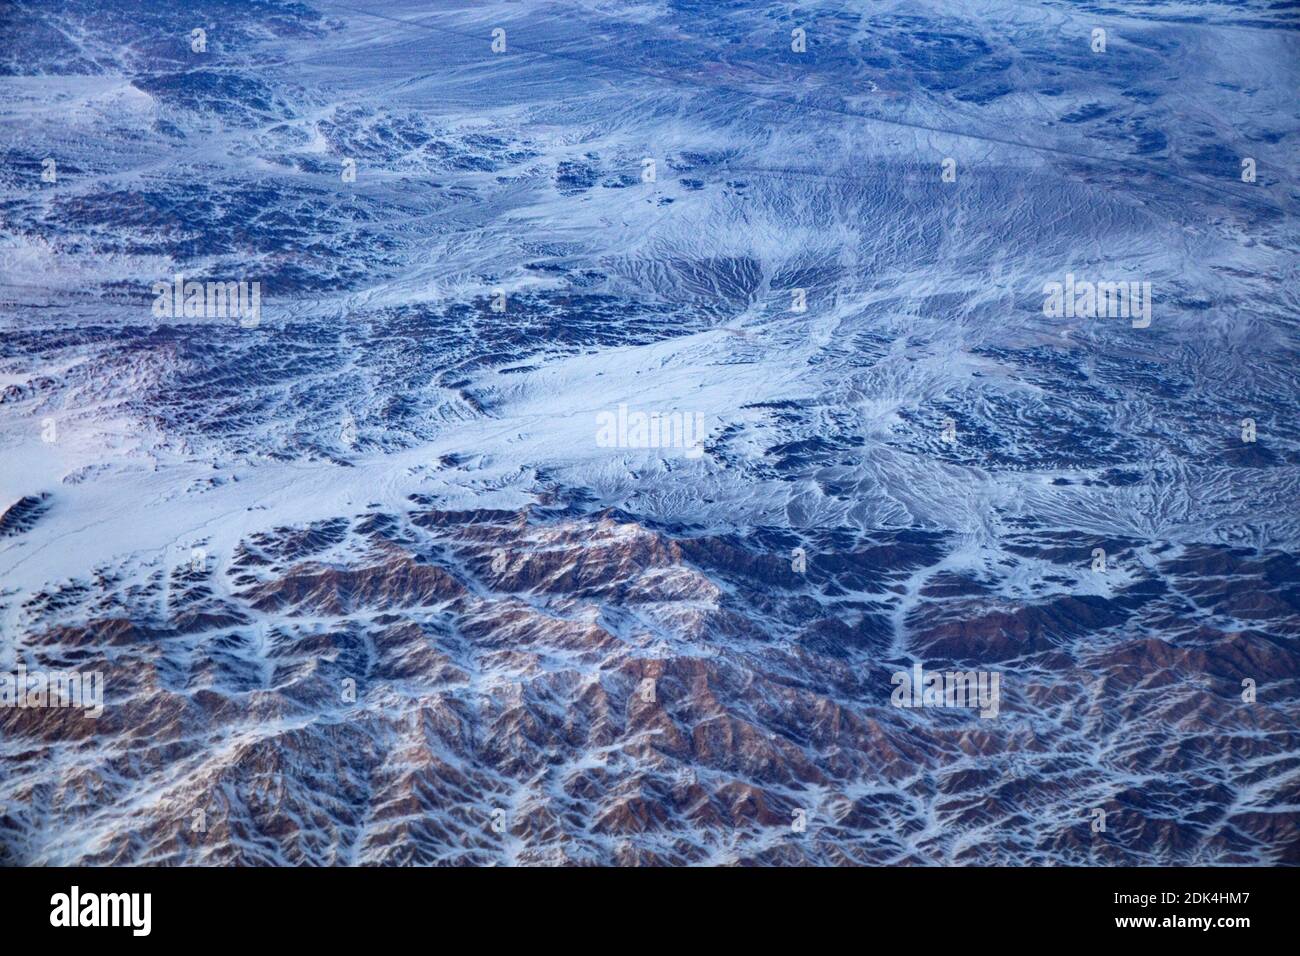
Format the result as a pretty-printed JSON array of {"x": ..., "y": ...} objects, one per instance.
[{"x": 635, "y": 391}]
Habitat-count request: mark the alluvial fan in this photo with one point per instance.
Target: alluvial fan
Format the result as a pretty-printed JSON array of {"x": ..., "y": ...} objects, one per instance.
[{"x": 664, "y": 433}]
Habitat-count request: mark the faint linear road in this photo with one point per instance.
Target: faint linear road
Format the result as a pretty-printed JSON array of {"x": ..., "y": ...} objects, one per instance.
[{"x": 1127, "y": 164}]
